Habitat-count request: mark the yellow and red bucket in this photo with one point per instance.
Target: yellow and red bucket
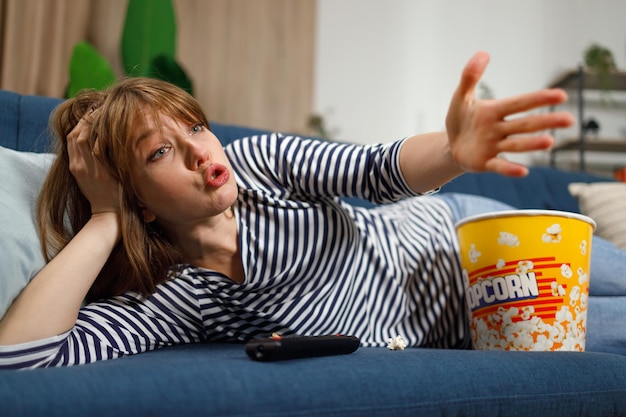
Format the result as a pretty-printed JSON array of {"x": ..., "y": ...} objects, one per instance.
[{"x": 527, "y": 278}]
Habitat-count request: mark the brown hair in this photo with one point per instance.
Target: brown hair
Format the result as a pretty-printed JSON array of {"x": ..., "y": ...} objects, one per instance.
[{"x": 144, "y": 256}]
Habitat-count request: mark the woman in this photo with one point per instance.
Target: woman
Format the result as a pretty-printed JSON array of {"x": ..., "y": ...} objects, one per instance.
[{"x": 174, "y": 239}]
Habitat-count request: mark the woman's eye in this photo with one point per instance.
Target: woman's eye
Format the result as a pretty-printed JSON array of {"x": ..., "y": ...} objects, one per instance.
[
  {"x": 197, "y": 128},
  {"x": 161, "y": 152}
]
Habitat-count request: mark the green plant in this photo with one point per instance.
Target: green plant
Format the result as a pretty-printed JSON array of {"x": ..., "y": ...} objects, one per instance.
[
  {"x": 148, "y": 49},
  {"x": 600, "y": 60},
  {"x": 88, "y": 69}
]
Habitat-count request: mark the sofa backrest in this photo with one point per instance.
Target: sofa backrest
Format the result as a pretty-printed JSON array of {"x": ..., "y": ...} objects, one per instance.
[
  {"x": 543, "y": 188},
  {"x": 24, "y": 121}
]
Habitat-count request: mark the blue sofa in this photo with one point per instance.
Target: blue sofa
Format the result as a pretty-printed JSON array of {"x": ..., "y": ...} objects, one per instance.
[{"x": 219, "y": 379}]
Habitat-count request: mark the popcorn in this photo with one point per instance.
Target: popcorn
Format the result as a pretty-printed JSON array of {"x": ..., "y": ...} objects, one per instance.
[
  {"x": 542, "y": 343},
  {"x": 566, "y": 271},
  {"x": 555, "y": 229},
  {"x": 553, "y": 234},
  {"x": 494, "y": 319},
  {"x": 524, "y": 266},
  {"x": 527, "y": 312},
  {"x": 564, "y": 314},
  {"x": 582, "y": 276},
  {"x": 574, "y": 295},
  {"x": 524, "y": 294},
  {"x": 556, "y": 333},
  {"x": 583, "y": 301},
  {"x": 474, "y": 254},
  {"x": 396, "y": 343},
  {"x": 523, "y": 328},
  {"x": 522, "y": 341},
  {"x": 557, "y": 289},
  {"x": 508, "y": 239},
  {"x": 529, "y": 333}
]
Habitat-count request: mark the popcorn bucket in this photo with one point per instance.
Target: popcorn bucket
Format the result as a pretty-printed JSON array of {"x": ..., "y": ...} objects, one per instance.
[{"x": 526, "y": 274}]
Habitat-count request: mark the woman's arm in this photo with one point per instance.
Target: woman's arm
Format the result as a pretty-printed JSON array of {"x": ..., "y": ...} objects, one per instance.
[
  {"x": 478, "y": 131},
  {"x": 120, "y": 326},
  {"x": 291, "y": 165},
  {"x": 50, "y": 303}
]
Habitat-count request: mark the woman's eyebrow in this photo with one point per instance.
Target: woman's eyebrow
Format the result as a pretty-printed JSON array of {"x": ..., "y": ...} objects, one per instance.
[{"x": 145, "y": 135}]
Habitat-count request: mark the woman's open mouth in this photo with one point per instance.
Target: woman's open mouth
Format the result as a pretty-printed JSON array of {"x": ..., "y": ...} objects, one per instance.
[{"x": 217, "y": 175}]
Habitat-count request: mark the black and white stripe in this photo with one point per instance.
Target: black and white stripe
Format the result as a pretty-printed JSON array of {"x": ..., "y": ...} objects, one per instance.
[{"x": 313, "y": 264}]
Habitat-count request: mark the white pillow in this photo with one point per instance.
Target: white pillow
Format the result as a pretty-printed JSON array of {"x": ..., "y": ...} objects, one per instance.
[
  {"x": 21, "y": 177},
  {"x": 604, "y": 202}
]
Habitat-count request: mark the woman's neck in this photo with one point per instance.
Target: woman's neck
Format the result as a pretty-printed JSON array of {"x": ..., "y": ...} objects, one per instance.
[{"x": 214, "y": 245}]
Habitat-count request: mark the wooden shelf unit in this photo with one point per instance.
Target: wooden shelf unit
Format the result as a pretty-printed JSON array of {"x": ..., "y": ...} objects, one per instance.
[{"x": 580, "y": 80}]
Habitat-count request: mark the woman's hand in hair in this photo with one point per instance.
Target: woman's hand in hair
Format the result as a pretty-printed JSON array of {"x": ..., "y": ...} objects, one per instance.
[{"x": 94, "y": 179}]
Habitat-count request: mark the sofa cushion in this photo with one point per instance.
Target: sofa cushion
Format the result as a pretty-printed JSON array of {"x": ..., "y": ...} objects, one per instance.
[
  {"x": 606, "y": 204},
  {"x": 219, "y": 380},
  {"x": 20, "y": 258},
  {"x": 606, "y": 327}
]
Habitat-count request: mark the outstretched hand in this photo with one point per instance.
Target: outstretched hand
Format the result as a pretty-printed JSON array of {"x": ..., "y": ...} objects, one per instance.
[
  {"x": 479, "y": 130},
  {"x": 93, "y": 178}
]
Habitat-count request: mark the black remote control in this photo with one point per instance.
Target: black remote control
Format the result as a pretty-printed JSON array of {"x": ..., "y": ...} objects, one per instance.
[{"x": 278, "y": 348}]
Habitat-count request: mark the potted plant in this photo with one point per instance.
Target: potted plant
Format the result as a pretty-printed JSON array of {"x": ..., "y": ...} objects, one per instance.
[
  {"x": 600, "y": 60},
  {"x": 148, "y": 49}
]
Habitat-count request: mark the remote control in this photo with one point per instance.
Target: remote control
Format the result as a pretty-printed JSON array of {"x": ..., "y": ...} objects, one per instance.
[{"x": 278, "y": 348}]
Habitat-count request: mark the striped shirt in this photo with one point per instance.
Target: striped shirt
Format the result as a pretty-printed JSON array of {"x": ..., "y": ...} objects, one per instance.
[{"x": 313, "y": 263}]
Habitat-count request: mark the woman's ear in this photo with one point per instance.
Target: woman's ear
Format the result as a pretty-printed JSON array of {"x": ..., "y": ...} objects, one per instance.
[{"x": 148, "y": 216}]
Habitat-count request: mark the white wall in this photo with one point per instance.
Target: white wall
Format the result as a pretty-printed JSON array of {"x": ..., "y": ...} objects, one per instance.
[{"x": 386, "y": 69}]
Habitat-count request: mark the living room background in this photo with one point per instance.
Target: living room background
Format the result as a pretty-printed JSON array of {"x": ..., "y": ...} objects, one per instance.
[
  {"x": 387, "y": 69},
  {"x": 375, "y": 70},
  {"x": 250, "y": 62}
]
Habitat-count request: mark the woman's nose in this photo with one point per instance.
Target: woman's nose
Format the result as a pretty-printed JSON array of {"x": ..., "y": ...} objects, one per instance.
[{"x": 198, "y": 155}]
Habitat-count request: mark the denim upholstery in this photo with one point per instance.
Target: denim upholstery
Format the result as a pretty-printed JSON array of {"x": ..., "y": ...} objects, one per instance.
[
  {"x": 543, "y": 188},
  {"x": 219, "y": 380}
]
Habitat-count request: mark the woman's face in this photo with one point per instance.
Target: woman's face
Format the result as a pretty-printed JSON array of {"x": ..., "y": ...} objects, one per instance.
[{"x": 180, "y": 171}]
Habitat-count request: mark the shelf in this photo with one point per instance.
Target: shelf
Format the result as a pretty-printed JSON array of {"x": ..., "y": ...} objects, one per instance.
[
  {"x": 597, "y": 146},
  {"x": 569, "y": 80},
  {"x": 592, "y": 145},
  {"x": 582, "y": 79}
]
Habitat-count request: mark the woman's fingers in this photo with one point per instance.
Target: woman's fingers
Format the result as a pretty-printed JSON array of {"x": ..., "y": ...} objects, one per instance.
[
  {"x": 463, "y": 100},
  {"x": 507, "y": 168},
  {"x": 525, "y": 102},
  {"x": 518, "y": 144},
  {"x": 80, "y": 140},
  {"x": 75, "y": 146},
  {"x": 472, "y": 73},
  {"x": 93, "y": 178},
  {"x": 534, "y": 123}
]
